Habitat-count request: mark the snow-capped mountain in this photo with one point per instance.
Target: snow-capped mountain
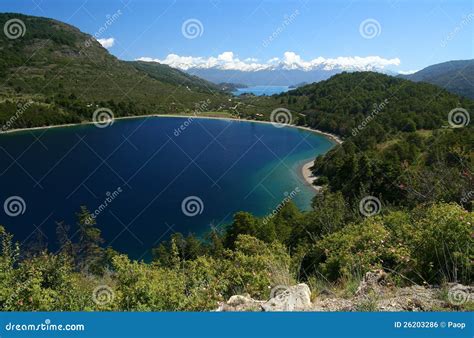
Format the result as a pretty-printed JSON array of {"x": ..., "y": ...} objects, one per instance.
[{"x": 289, "y": 70}]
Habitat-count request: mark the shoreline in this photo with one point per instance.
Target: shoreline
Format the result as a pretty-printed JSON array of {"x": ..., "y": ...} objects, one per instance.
[
  {"x": 308, "y": 175},
  {"x": 303, "y": 169},
  {"x": 330, "y": 136}
]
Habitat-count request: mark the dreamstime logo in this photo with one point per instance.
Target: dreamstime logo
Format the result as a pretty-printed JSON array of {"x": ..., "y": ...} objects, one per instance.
[
  {"x": 464, "y": 22},
  {"x": 21, "y": 108},
  {"x": 192, "y": 28},
  {"x": 370, "y": 206},
  {"x": 100, "y": 32},
  {"x": 288, "y": 20},
  {"x": 103, "y": 295},
  {"x": 103, "y": 117},
  {"x": 467, "y": 196},
  {"x": 111, "y": 196},
  {"x": 373, "y": 114},
  {"x": 457, "y": 295},
  {"x": 288, "y": 197},
  {"x": 14, "y": 206},
  {"x": 200, "y": 108},
  {"x": 281, "y": 117},
  {"x": 370, "y": 28},
  {"x": 192, "y": 206},
  {"x": 284, "y": 295},
  {"x": 14, "y": 29},
  {"x": 458, "y": 118}
]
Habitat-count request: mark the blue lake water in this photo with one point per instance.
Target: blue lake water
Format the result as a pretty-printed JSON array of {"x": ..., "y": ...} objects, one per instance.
[
  {"x": 156, "y": 163},
  {"x": 261, "y": 90}
]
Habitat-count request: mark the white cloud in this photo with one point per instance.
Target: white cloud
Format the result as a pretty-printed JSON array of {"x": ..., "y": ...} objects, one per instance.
[
  {"x": 290, "y": 60},
  {"x": 106, "y": 43},
  {"x": 407, "y": 72}
]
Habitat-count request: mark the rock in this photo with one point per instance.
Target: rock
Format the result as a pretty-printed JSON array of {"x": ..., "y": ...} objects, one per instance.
[
  {"x": 333, "y": 304},
  {"x": 373, "y": 282},
  {"x": 240, "y": 303},
  {"x": 293, "y": 298},
  {"x": 373, "y": 294}
]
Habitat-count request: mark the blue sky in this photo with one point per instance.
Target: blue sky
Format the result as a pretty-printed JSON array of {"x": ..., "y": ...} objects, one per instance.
[{"x": 418, "y": 33}]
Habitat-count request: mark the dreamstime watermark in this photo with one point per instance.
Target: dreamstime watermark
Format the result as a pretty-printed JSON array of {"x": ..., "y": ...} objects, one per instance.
[
  {"x": 103, "y": 117},
  {"x": 467, "y": 196},
  {"x": 14, "y": 206},
  {"x": 285, "y": 296},
  {"x": 46, "y": 326},
  {"x": 464, "y": 22},
  {"x": 102, "y": 29},
  {"x": 21, "y": 108},
  {"x": 458, "y": 295},
  {"x": 14, "y": 29},
  {"x": 111, "y": 196},
  {"x": 103, "y": 295},
  {"x": 192, "y": 206},
  {"x": 200, "y": 108},
  {"x": 370, "y": 206},
  {"x": 288, "y": 20},
  {"x": 192, "y": 28},
  {"x": 281, "y": 117},
  {"x": 288, "y": 197},
  {"x": 370, "y": 28},
  {"x": 458, "y": 118},
  {"x": 373, "y": 114}
]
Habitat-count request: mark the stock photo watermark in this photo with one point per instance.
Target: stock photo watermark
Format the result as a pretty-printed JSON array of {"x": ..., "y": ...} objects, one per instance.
[
  {"x": 288, "y": 198},
  {"x": 200, "y": 108},
  {"x": 459, "y": 118},
  {"x": 370, "y": 28},
  {"x": 192, "y": 28},
  {"x": 370, "y": 206},
  {"x": 21, "y": 109},
  {"x": 378, "y": 108},
  {"x": 14, "y": 206},
  {"x": 281, "y": 117},
  {"x": 103, "y": 117},
  {"x": 110, "y": 197},
  {"x": 110, "y": 20},
  {"x": 14, "y": 29},
  {"x": 192, "y": 206},
  {"x": 287, "y": 21}
]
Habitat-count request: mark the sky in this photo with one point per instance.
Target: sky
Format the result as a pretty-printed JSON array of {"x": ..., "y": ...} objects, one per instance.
[{"x": 399, "y": 35}]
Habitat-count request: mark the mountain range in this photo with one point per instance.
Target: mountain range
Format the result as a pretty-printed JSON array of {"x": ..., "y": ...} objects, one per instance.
[{"x": 455, "y": 76}]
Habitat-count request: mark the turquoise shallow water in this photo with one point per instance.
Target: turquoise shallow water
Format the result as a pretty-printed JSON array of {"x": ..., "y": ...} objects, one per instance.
[
  {"x": 150, "y": 166},
  {"x": 261, "y": 90}
]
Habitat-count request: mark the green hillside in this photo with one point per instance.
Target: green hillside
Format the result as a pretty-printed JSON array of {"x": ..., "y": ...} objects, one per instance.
[
  {"x": 67, "y": 74},
  {"x": 455, "y": 76},
  {"x": 399, "y": 143}
]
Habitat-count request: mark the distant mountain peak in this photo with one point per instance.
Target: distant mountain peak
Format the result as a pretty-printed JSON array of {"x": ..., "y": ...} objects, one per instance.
[{"x": 289, "y": 61}]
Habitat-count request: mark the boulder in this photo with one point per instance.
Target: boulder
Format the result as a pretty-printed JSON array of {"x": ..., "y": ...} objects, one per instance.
[
  {"x": 373, "y": 281},
  {"x": 292, "y": 298}
]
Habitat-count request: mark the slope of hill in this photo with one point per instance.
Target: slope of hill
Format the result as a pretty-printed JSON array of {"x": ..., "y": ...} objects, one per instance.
[
  {"x": 455, "y": 76},
  {"x": 67, "y": 73},
  {"x": 173, "y": 76},
  {"x": 400, "y": 142}
]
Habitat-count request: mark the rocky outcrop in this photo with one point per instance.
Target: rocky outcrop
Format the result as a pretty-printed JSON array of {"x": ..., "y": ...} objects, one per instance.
[
  {"x": 374, "y": 293},
  {"x": 293, "y": 298}
]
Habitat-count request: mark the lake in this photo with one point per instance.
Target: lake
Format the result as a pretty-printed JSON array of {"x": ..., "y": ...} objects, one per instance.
[
  {"x": 261, "y": 90},
  {"x": 160, "y": 174}
]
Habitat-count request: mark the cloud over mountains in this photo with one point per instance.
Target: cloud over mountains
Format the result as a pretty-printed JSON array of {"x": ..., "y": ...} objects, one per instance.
[{"x": 289, "y": 61}]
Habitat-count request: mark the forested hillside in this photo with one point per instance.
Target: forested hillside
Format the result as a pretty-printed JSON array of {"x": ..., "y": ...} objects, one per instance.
[
  {"x": 63, "y": 75},
  {"x": 455, "y": 76}
]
